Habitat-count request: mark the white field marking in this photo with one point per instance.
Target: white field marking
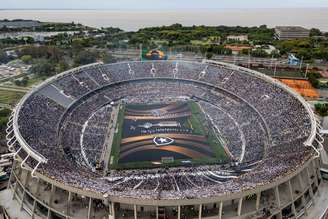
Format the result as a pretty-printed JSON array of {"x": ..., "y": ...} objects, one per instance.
[{"x": 81, "y": 140}]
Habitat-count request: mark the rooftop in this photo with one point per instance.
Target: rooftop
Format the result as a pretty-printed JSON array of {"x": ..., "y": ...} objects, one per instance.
[{"x": 291, "y": 28}]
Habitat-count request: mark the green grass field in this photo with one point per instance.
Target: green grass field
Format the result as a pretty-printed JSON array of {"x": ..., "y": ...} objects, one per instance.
[
  {"x": 10, "y": 97},
  {"x": 35, "y": 81},
  {"x": 115, "y": 153},
  {"x": 197, "y": 120}
]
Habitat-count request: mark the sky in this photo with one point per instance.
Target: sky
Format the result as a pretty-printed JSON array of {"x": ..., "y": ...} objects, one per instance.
[{"x": 158, "y": 4}]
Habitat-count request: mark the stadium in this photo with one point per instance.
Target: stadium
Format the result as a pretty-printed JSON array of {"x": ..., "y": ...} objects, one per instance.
[{"x": 164, "y": 139}]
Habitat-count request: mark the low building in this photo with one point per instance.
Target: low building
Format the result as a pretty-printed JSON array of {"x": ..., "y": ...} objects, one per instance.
[
  {"x": 267, "y": 48},
  {"x": 37, "y": 36},
  {"x": 238, "y": 37},
  {"x": 291, "y": 32},
  {"x": 236, "y": 49},
  {"x": 323, "y": 73},
  {"x": 19, "y": 23},
  {"x": 293, "y": 60}
]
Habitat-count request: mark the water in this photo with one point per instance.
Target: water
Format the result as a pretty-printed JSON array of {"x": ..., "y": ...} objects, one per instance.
[{"x": 133, "y": 20}]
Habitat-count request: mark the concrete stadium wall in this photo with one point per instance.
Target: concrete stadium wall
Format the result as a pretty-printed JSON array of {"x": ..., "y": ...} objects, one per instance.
[{"x": 42, "y": 197}]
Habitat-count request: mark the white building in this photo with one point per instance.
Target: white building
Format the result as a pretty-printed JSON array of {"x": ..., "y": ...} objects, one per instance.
[
  {"x": 238, "y": 37},
  {"x": 291, "y": 32}
]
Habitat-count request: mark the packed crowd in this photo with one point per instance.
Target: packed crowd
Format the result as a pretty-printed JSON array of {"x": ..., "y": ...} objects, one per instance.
[{"x": 258, "y": 121}]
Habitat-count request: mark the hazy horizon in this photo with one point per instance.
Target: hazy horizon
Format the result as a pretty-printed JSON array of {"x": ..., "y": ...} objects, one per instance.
[
  {"x": 132, "y": 20},
  {"x": 149, "y": 9},
  {"x": 159, "y": 4}
]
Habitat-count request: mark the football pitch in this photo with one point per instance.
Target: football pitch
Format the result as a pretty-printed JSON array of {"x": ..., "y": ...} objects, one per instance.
[{"x": 168, "y": 134}]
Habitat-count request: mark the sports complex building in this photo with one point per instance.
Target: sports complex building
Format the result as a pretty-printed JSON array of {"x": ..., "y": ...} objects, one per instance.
[{"x": 164, "y": 139}]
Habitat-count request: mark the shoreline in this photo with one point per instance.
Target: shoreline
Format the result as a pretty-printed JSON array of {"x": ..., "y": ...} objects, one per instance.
[{"x": 132, "y": 20}]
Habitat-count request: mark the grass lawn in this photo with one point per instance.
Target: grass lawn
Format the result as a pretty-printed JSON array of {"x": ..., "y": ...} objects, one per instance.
[
  {"x": 199, "y": 42},
  {"x": 10, "y": 97},
  {"x": 12, "y": 78},
  {"x": 35, "y": 81},
  {"x": 217, "y": 147}
]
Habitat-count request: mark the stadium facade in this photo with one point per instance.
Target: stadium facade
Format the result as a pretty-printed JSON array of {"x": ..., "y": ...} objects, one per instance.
[{"x": 62, "y": 129}]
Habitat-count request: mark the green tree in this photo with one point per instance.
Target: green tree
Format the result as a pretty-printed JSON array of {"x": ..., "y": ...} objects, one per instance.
[
  {"x": 4, "y": 115},
  {"x": 245, "y": 51},
  {"x": 313, "y": 79},
  {"x": 259, "y": 53},
  {"x": 22, "y": 82},
  {"x": 275, "y": 53},
  {"x": 43, "y": 67},
  {"x": 315, "y": 32},
  {"x": 108, "y": 58},
  {"x": 5, "y": 112},
  {"x": 3, "y": 57},
  {"x": 85, "y": 57},
  {"x": 321, "y": 109},
  {"x": 209, "y": 55},
  {"x": 51, "y": 53},
  {"x": 61, "y": 66},
  {"x": 26, "y": 59}
]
